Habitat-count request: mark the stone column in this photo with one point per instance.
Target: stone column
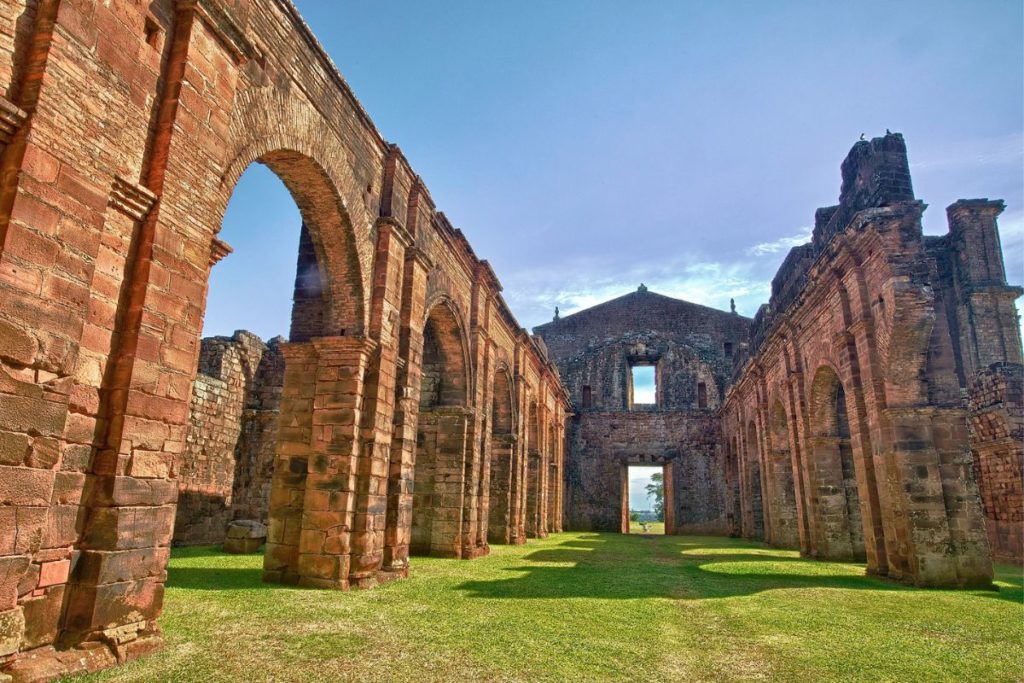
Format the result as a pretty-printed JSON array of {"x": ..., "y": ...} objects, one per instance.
[
  {"x": 328, "y": 513},
  {"x": 377, "y": 416},
  {"x": 947, "y": 537},
  {"x": 472, "y": 475},
  {"x": 291, "y": 463},
  {"x": 519, "y": 462},
  {"x": 403, "y": 438},
  {"x": 798, "y": 456},
  {"x": 452, "y": 432}
]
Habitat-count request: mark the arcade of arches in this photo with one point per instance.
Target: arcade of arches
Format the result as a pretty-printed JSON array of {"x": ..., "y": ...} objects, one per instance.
[{"x": 871, "y": 411}]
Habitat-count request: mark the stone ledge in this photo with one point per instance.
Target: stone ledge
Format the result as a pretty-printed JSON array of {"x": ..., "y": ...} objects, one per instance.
[{"x": 12, "y": 118}]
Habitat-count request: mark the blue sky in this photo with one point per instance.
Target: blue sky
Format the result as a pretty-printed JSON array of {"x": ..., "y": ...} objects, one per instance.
[
  {"x": 586, "y": 146},
  {"x": 639, "y": 478}
]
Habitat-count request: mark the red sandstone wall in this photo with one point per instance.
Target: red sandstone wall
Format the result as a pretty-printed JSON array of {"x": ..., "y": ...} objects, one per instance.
[
  {"x": 600, "y": 444},
  {"x": 224, "y": 472},
  {"x": 900, "y": 321},
  {"x": 997, "y": 442}
]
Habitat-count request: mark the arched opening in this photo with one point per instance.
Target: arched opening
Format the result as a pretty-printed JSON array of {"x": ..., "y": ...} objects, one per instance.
[
  {"x": 441, "y": 438},
  {"x": 753, "y": 468},
  {"x": 307, "y": 286},
  {"x": 534, "y": 474},
  {"x": 785, "y": 527},
  {"x": 502, "y": 494},
  {"x": 834, "y": 495}
]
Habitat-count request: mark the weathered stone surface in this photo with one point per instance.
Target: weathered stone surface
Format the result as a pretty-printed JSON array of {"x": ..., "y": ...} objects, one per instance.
[{"x": 245, "y": 536}]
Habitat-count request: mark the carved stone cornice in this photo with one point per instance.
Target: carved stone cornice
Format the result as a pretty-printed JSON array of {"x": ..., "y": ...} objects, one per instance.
[
  {"x": 12, "y": 118},
  {"x": 131, "y": 199},
  {"x": 218, "y": 250}
]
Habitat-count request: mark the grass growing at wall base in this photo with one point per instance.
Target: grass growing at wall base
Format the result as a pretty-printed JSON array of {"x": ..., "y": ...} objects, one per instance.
[{"x": 585, "y": 606}]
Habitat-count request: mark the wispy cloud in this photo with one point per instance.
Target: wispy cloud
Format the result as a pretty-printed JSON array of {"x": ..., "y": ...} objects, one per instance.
[
  {"x": 997, "y": 151},
  {"x": 781, "y": 244},
  {"x": 575, "y": 287}
]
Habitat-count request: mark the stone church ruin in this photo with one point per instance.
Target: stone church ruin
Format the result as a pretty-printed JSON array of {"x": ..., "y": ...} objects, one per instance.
[{"x": 871, "y": 411}]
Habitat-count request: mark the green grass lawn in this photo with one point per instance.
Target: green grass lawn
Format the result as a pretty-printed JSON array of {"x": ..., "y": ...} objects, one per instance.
[
  {"x": 654, "y": 528},
  {"x": 585, "y": 606}
]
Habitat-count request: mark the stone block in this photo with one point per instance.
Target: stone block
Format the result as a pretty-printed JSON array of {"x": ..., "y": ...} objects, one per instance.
[
  {"x": 24, "y": 486},
  {"x": 245, "y": 536},
  {"x": 42, "y": 618},
  {"x": 17, "y": 345},
  {"x": 12, "y": 627}
]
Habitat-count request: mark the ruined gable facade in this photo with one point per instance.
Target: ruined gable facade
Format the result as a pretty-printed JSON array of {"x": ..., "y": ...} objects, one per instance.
[
  {"x": 414, "y": 414},
  {"x": 691, "y": 349}
]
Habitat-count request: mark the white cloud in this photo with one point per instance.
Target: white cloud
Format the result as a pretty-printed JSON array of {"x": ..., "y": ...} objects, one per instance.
[
  {"x": 781, "y": 244},
  {"x": 533, "y": 295}
]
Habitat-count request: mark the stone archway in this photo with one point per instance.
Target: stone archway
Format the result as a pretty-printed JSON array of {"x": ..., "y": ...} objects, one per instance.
[
  {"x": 442, "y": 437},
  {"x": 835, "y": 499}
]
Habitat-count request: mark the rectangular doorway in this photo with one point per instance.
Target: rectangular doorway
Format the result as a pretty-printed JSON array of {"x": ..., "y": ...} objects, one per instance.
[{"x": 646, "y": 499}]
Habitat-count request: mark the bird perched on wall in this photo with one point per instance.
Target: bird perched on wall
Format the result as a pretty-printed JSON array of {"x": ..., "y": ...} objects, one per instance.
[
  {"x": 862, "y": 137},
  {"x": 888, "y": 132}
]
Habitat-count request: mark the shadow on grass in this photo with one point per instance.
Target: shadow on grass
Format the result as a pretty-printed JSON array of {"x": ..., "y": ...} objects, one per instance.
[
  {"x": 627, "y": 567},
  {"x": 218, "y": 579}
]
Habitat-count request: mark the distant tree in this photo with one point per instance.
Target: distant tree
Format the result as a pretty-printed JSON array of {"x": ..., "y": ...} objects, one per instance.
[
  {"x": 634, "y": 516},
  {"x": 656, "y": 489}
]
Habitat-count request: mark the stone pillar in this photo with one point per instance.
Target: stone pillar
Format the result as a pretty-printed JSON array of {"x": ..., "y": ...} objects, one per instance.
[
  {"x": 987, "y": 316},
  {"x": 801, "y": 475},
  {"x": 373, "y": 462},
  {"x": 520, "y": 464},
  {"x": 328, "y": 511},
  {"x": 472, "y": 476},
  {"x": 944, "y": 549},
  {"x": 403, "y": 439},
  {"x": 876, "y": 502},
  {"x": 291, "y": 463},
  {"x": 451, "y": 435}
]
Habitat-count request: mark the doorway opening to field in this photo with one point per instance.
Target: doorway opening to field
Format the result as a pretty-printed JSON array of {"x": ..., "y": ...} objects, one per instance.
[{"x": 646, "y": 498}]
